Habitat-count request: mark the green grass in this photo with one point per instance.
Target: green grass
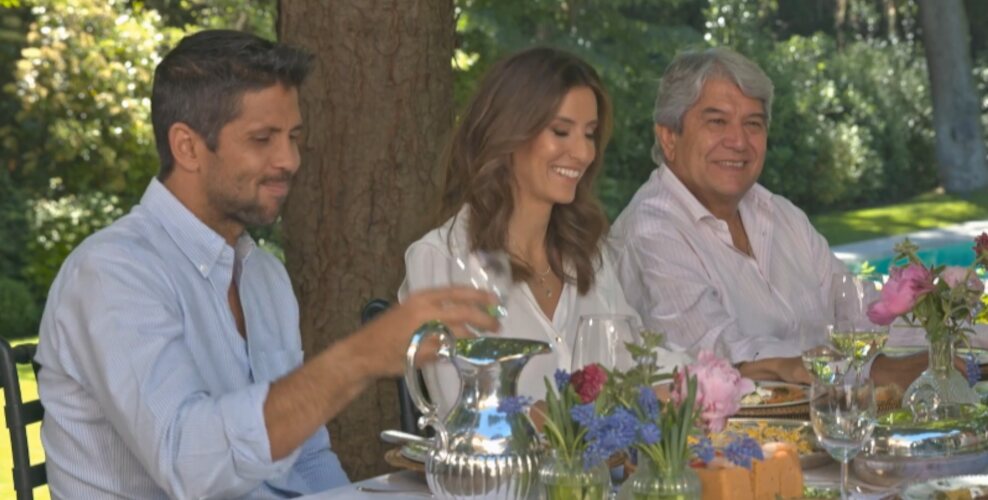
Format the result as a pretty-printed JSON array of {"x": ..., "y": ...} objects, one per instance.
[
  {"x": 29, "y": 392},
  {"x": 926, "y": 211}
]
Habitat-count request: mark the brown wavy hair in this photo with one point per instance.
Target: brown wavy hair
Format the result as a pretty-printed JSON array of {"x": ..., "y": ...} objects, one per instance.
[{"x": 516, "y": 100}]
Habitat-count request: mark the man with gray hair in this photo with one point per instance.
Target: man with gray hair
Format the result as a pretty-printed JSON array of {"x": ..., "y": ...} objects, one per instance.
[{"x": 708, "y": 256}]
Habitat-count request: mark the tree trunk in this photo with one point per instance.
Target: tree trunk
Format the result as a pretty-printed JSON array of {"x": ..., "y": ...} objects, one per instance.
[
  {"x": 377, "y": 107},
  {"x": 960, "y": 145}
]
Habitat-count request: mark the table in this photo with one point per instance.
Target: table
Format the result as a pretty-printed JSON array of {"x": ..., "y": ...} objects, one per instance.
[{"x": 408, "y": 484}]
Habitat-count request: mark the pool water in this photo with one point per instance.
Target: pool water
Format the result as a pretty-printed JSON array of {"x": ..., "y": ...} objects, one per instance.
[{"x": 958, "y": 254}]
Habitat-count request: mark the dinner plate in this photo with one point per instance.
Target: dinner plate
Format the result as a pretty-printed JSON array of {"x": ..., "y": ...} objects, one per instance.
[
  {"x": 778, "y": 385},
  {"x": 976, "y": 486},
  {"x": 980, "y": 354}
]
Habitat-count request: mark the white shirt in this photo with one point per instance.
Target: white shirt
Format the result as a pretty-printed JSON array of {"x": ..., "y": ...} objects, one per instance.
[
  {"x": 427, "y": 266},
  {"x": 149, "y": 390},
  {"x": 681, "y": 271}
]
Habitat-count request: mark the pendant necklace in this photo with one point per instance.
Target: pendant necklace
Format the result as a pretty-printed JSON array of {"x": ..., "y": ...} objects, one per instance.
[{"x": 542, "y": 282}]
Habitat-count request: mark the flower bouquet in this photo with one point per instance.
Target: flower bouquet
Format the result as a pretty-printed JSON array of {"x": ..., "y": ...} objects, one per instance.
[
  {"x": 671, "y": 435},
  {"x": 581, "y": 430},
  {"x": 944, "y": 301}
]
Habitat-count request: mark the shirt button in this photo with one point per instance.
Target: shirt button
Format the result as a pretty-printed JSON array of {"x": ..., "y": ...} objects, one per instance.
[
  {"x": 202, "y": 268},
  {"x": 559, "y": 339}
]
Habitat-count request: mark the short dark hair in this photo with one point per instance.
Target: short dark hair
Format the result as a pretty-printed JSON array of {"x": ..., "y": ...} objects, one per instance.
[{"x": 201, "y": 82}]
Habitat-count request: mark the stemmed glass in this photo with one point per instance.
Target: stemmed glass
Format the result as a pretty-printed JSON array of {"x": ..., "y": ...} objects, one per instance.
[
  {"x": 843, "y": 417},
  {"x": 601, "y": 339},
  {"x": 484, "y": 270},
  {"x": 852, "y": 332}
]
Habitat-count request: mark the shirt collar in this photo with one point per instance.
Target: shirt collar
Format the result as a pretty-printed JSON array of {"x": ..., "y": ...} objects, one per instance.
[
  {"x": 201, "y": 244},
  {"x": 755, "y": 196}
]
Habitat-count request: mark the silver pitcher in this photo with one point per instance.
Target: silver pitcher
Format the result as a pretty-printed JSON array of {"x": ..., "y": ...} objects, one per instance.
[{"x": 478, "y": 452}]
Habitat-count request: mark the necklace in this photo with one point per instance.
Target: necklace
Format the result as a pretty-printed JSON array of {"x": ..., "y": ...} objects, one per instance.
[{"x": 541, "y": 277}]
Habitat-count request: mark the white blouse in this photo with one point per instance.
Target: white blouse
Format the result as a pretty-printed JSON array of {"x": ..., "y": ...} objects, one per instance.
[{"x": 427, "y": 266}]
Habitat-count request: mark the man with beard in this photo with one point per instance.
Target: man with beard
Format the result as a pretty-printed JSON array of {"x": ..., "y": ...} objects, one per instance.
[{"x": 172, "y": 362}]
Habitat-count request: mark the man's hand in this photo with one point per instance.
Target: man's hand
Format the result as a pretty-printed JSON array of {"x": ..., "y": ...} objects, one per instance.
[
  {"x": 386, "y": 338},
  {"x": 903, "y": 371},
  {"x": 785, "y": 369}
]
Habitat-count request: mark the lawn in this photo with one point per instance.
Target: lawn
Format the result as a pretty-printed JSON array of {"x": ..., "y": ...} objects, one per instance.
[{"x": 926, "y": 211}]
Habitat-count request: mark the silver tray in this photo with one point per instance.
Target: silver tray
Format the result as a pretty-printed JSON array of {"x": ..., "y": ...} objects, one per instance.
[{"x": 905, "y": 452}]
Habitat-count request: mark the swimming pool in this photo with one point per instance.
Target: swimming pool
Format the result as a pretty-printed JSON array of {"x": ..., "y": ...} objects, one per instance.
[{"x": 956, "y": 254}]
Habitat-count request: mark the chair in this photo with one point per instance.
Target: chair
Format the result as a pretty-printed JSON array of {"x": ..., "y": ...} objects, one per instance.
[
  {"x": 19, "y": 415},
  {"x": 408, "y": 414}
]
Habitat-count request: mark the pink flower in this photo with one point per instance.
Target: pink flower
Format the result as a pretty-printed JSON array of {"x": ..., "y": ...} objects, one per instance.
[
  {"x": 588, "y": 382},
  {"x": 719, "y": 387},
  {"x": 904, "y": 289},
  {"x": 981, "y": 245},
  {"x": 954, "y": 275}
]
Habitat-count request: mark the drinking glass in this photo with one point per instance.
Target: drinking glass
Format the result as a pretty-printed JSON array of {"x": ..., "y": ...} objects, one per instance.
[
  {"x": 601, "y": 339},
  {"x": 843, "y": 417},
  {"x": 852, "y": 332},
  {"x": 826, "y": 364},
  {"x": 484, "y": 270}
]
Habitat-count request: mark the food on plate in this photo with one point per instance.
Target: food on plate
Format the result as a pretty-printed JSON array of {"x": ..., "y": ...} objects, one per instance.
[
  {"x": 765, "y": 432},
  {"x": 777, "y": 476},
  {"x": 773, "y": 395}
]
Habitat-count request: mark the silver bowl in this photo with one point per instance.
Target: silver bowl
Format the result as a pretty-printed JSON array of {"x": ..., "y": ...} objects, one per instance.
[{"x": 905, "y": 452}]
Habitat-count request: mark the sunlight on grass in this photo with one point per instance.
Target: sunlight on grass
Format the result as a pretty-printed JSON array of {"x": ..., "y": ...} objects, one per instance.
[
  {"x": 29, "y": 391},
  {"x": 927, "y": 211}
]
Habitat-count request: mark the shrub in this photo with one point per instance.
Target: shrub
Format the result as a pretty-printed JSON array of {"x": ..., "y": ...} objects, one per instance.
[{"x": 18, "y": 312}]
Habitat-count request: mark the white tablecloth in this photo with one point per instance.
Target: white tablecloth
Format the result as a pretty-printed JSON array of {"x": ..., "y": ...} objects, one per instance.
[{"x": 411, "y": 485}]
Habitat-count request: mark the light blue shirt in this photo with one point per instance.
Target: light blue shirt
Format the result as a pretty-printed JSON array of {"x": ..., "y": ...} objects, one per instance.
[{"x": 149, "y": 390}]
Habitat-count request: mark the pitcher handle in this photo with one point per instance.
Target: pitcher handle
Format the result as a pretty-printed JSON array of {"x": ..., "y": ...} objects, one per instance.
[{"x": 429, "y": 410}]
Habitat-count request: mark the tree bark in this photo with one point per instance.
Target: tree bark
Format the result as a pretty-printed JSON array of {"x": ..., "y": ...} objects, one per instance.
[
  {"x": 377, "y": 107},
  {"x": 960, "y": 139}
]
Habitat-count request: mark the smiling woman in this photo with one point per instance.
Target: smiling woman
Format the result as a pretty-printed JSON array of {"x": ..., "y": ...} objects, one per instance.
[{"x": 520, "y": 169}]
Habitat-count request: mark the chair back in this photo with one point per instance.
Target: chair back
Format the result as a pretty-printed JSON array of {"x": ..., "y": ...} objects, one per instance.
[
  {"x": 408, "y": 414},
  {"x": 19, "y": 415}
]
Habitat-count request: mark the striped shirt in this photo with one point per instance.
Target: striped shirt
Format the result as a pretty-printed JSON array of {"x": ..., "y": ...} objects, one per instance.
[
  {"x": 149, "y": 390},
  {"x": 680, "y": 270}
]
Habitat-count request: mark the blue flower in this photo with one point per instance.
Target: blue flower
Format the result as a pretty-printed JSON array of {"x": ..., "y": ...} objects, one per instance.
[
  {"x": 742, "y": 451},
  {"x": 562, "y": 380},
  {"x": 972, "y": 369},
  {"x": 650, "y": 433},
  {"x": 648, "y": 403},
  {"x": 704, "y": 450},
  {"x": 513, "y": 405},
  {"x": 585, "y": 415}
]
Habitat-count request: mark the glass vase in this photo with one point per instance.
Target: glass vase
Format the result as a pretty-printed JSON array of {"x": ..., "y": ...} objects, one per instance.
[
  {"x": 940, "y": 391},
  {"x": 567, "y": 479},
  {"x": 649, "y": 482}
]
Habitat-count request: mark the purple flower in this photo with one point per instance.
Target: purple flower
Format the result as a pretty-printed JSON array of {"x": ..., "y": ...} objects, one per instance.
[
  {"x": 972, "y": 369},
  {"x": 650, "y": 433},
  {"x": 648, "y": 403},
  {"x": 742, "y": 450},
  {"x": 704, "y": 450},
  {"x": 585, "y": 415},
  {"x": 562, "y": 380},
  {"x": 513, "y": 405},
  {"x": 608, "y": 435}
]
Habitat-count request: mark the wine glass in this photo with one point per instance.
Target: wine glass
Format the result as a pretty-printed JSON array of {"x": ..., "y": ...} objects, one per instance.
[
  {"x": 825, "y": 363},
  {"x": 843, "y": 417},
  {"x": 852, "y": 332},
  {"x": 484, "y": 270},
  {"x": 601, "y": 339}
]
